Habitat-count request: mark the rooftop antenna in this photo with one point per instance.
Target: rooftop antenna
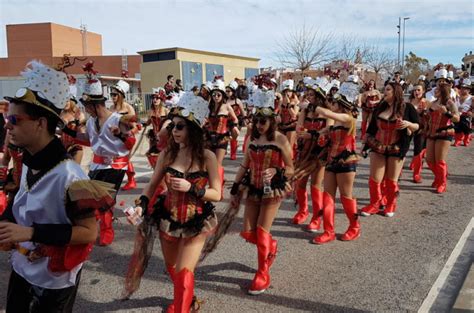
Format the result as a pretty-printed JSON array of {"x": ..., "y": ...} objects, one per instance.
[{"x": 83, "y": 29}]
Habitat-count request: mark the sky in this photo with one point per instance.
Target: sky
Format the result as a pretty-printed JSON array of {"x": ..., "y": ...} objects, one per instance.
[{"x": 440, "y": 31}]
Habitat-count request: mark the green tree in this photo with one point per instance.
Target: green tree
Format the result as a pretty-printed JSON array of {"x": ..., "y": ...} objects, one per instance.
[{"x": 415, "y": 66}]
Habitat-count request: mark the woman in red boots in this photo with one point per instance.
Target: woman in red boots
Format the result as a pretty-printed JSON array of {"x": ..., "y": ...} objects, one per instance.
[
  {"x": 288, "y": 112},
  {"x": 340, "y": 169},
  {"x": 263, "y": 171},
  {"x": 370, "y": 100},
  {"x": 156, "y": 117},
  {"x": 220, "y": 123},
  {"x": 184, "y": 216},
  {"x": 442, "y": 112},
  {"x": 388, "y": 139},
  {"x": 310, "y": 126},
  {"x": 418, "y": 100},
  {"x": 239, "y": 111}
]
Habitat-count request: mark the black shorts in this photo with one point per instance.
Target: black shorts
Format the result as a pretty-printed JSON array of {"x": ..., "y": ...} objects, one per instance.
[{"x": 338, "y": 168}]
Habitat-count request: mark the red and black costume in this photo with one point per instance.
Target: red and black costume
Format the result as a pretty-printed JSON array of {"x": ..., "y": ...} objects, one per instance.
[
  {"x": 383, "y": 138},
  {"x": 439, "y": 127},
  {"x": 310, "y": 149},
  {"x": 72, "y": 147},
  {"x": 241, "y": 118},
  {"x": 369, "y": 106},
  {"x": 288, "y": 123},
  {"x": 156, "y": 144},
  {"x": 217, "y": 132}
]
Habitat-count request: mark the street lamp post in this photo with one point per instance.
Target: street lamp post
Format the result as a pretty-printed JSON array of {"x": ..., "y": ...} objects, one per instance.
[
  {"x": 398, "y": 55},
  {"x": 403, "y": 44}
]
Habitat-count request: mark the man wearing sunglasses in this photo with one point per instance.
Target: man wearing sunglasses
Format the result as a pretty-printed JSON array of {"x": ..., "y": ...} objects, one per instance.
[{"x": 50, "y": 227}]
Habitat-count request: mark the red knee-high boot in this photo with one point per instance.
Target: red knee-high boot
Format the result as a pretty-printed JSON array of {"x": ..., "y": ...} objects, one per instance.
[
  {"x": 441, "y": 169},
  {"x": 317, "y": 201},
  {"x": 131, "y": 184},
  {"x": 417, "y": 165},
  {"x": 350, "y": 207},
  {"x": 106, "y": 229},
  {"x": 375, "y": 191},
  {"x": 458, "y": 138},
  {"x": 220, "y": 169},
  {"x": 172, "y": 273},
  {"x": 244, "y": 146},
  {"x": 391, "y": 193},
  {"x": 302, "y": 199},
  {"x": 432, "y": 167},
  {"x": 363, "y": 129},
  {"x": 183, "y": 291},
  {"x": 467, "y": 139},
  {"x": 328, "y": 220},
  {"x": 261, "y": 280},
  {"x": 233, "y": 149},
  {"x": 249, "y": 236}
]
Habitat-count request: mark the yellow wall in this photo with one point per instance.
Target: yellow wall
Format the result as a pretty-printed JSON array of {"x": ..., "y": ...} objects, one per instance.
[
  {"x": 233, "y": 67},
  {"x": 153, "y": 74}
]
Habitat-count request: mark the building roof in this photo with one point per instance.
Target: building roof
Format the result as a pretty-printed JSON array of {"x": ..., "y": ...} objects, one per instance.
[{"x": 200, "y": 52}]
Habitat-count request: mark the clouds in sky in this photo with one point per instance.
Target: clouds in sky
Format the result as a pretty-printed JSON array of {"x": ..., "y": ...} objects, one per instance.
[{"x": 437, "y": 30}]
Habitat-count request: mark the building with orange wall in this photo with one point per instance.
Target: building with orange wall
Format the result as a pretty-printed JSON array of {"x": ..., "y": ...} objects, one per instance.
[{"x": 49, "y": 42}]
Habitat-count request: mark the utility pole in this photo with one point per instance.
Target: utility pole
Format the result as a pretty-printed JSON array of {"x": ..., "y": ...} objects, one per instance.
[
  {"x": 398, "y": 26},
  {"x": 403, "y": 44},
  {"x": 83, "y": 28}
]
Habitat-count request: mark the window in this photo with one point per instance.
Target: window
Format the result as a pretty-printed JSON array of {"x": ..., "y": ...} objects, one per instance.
[
  {"x": 251, "y": 72},
  {"x": 192, "y": 74},
  {"x": 159, "y": 56},
  {"x": 213, "y": 70}
]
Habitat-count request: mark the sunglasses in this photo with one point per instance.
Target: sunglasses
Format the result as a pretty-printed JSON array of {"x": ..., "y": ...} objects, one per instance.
[
  {"x": 14, "y": 119},
  {"x": 178, "y": 126},
  {"x": 260, "y": 120},
  {"x": 216, "y": 94}
]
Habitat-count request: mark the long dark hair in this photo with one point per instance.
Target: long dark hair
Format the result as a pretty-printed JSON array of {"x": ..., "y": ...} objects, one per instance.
[
  {"x": 412, "y": 93},
  {"x": 444, "y": 93},
  {"x": 398, "y": 102},
  {"x": 320, "y": 102},
  {"x": 270, "y": 132},
  {"x": 195, "y": 138}
]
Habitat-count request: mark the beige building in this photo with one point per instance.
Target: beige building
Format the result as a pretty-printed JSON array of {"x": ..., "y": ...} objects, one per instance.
[
  {"x": 193, "y": 67},
  {"x": 468, "y": 63}
]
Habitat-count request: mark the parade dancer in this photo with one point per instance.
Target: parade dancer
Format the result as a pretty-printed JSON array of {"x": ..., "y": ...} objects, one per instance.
[
  {"x": 341, "y": 163},
  {"x": 465, "y": 108},
  {"x": 118, "y": 92},
  {"x": 156, "y": 117},
  {"x": 74, "y": 119},
  {"x": 388, "y": 139},
  {"x": 440, "y": 132},
  {"x": 239, "y": 111},
  {"x": 419, "y": 140},
  {"x": 288, "y": 112},
  {"x": 370, "y": 100},
  {"x": 310, "y": 126},
  {"x": 263, "y": 171},
  {"x": 51, "y": 225},
  {"x": 184, "y": 215},
  {"x": 441, "y": 76},
  {"x": 108, "y": 134},
  {"x": 220, "y": 123}
]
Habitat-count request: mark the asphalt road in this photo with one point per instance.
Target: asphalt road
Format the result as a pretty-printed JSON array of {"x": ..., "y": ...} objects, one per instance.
[{"x": 390, "y": 268}]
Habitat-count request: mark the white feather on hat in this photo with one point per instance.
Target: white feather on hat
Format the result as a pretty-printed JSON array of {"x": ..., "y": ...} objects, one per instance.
[
  {"x": 263, "y": 98},
  {"x": 233, "y": 85},
  {"x": 350, "y": 90},
  {"x": 122, "y": 86},
  {"x": 193, "y": 108},
  {"x": 441, "y": 73},
  {"x": 288, "y": 84},
  {"x": 218, "y": 85}
]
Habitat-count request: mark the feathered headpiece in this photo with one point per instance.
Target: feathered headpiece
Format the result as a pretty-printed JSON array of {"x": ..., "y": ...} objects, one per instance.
[{"x": 93, "y": 89}]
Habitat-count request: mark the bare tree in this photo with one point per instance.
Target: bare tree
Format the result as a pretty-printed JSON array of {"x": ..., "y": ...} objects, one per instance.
[
  {"x": 352, "y": 49},
  {"x": 379, "y": 58},
  {"x": 305, "y": 48}
]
